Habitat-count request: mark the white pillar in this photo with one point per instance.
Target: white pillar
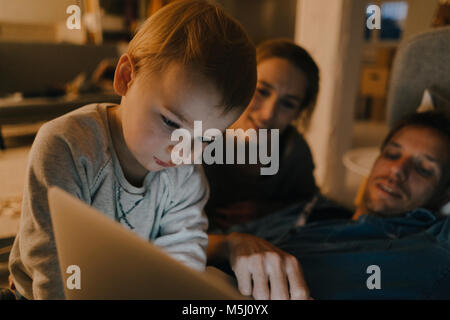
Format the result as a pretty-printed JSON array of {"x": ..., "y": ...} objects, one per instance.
[{"x": 332, "y": 31}]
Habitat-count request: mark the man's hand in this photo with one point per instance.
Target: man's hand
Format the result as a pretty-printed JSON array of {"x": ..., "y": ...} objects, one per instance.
[{"x": 264, "y": 271}]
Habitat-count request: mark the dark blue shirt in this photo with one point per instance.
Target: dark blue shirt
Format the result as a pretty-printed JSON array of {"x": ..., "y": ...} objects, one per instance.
[{"x": 411, "y": 251}]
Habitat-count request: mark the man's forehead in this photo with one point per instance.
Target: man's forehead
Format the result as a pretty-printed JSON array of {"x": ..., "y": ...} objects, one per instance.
[{"x": 422, "y": 140}]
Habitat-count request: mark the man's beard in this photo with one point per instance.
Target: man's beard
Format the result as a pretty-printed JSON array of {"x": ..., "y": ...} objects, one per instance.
[{"x": 382, "y": 212}]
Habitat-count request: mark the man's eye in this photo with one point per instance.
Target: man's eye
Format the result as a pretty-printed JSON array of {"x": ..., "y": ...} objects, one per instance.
[
  {"x": 170, "y": 123},
  {"x": 424, "y": 172},
  {"x": 391, "y": 155}
]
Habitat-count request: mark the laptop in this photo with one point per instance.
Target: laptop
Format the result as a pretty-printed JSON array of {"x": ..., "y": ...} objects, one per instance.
[{"x": 100, "y": 259}]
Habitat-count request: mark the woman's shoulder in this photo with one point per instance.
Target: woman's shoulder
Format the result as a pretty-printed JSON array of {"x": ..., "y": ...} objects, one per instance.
[{"x": 295, "y": 145}]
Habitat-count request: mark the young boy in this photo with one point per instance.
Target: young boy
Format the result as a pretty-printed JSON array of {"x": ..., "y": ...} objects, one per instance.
[{"x": 189, "y": 61}]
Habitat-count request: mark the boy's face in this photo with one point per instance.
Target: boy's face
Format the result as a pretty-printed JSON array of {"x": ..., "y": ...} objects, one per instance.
[
  {"x": 407, "y": 173},
  {"x": 155, "y": 105}
]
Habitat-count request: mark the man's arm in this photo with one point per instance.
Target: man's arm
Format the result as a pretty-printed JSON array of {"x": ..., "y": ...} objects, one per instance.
[{"x": 262, "y": 270}]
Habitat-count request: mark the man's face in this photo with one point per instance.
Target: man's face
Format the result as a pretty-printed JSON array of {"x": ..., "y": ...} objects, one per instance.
[{"x": 407, "y": 173}]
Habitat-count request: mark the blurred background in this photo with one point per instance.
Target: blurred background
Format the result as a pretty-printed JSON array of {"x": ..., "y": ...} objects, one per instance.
[{"x": 48, "y": 69}]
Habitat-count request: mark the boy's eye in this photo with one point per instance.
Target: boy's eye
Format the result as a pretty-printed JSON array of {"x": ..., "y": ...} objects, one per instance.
[
  {"x": 390, "y": 155},
  {"x": 170, "y": 123}
]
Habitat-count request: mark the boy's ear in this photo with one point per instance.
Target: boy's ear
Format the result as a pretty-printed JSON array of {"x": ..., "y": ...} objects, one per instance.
[{"x": 124, "y": 75}]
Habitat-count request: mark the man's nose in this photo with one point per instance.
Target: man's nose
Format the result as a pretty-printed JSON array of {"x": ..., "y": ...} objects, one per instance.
[{"x": 400, "y": 168}]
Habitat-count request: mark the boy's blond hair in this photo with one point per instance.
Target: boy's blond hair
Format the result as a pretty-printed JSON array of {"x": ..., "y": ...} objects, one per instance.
[{"x": 201, "y": 36}]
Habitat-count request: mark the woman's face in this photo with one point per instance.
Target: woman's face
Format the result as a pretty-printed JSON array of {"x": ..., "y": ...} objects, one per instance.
[{"x": 279, "y": 94}]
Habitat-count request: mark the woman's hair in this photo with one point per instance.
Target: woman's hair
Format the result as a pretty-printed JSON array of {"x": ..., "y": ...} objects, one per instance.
[
  {"x": 301, "y": 59},
  {"x": 201, "y": 36}
]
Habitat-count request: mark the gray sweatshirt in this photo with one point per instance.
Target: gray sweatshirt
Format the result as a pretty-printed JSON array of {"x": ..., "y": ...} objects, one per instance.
[{"x": 75, "y": 152}]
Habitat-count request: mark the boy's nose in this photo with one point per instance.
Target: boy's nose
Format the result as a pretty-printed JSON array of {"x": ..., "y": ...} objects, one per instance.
[
  {"x": 194, "y": 154},
  {"x": 169, "y": 151}
]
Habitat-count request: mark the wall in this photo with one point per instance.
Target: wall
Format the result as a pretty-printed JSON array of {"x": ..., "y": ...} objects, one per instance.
[
  {"x": 420, "y": 16},
  {"x": 38, "y": 21},
  {"x": 32, "y": 11},
  {"x": 332, "y": 31},
  {"x": 264, "y": 19}
]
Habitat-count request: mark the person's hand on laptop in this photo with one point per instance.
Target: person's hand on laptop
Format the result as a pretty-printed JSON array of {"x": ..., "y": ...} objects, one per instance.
[{"x": 264, "y": 271}]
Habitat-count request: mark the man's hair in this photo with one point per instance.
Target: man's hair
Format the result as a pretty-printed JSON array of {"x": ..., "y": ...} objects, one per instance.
[
  {"x": 301, "y": 59},
  {"x": 202, "y": 37},
  {"x": 435, "y": 120}
]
